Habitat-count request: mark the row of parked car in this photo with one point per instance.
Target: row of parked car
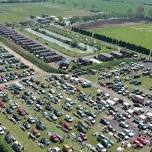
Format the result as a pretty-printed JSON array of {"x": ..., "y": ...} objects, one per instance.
[
  {"x": 10, "y": 139},
  {"x": 59, "y": 100},
  {"x": 11, "y": 68}
]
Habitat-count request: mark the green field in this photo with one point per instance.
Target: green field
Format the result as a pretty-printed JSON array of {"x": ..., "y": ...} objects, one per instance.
[
  {"x": 12, "y": 12},
  {"x": 16, "y": 12},
  {"x": 140, "y": 34}
]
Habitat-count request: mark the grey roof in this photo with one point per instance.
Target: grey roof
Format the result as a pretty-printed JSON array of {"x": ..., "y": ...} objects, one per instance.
[
  {"x": 66, "y": 61},
  {"x": 116, "y": 53},
  {"x": 106, "y": 55}
]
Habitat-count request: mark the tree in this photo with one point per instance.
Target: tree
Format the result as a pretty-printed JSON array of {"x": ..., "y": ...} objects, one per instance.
[
  {"x": 130, "y": 13},
  {"x": 94, "y": 6},
  {"x": 75, "y": 4},
  {"x": 150, "y": 13},
  {"x": 83, "y": 5},
  {"x": 140, "y": 12}
]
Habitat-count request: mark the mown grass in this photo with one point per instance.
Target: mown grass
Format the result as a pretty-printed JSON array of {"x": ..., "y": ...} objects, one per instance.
[
  {"x": 140, "y": 34},
  {"x": 15, "y": 12}
]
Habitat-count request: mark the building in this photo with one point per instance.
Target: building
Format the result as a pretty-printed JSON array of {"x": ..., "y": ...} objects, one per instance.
[
  {"x": 127, "y": 53},
  {"x": 117, "y": 54},
  {"x": 64, "y": 64},
  {"x": 84, "y": 61},
  {"x": 105, "y": 57},
  {"x": 33, "y": 47},
  {"x": 53, "y": 58}
]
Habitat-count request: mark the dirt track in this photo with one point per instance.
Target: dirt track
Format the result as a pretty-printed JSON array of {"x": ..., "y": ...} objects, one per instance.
[{"x": 38, "y": 71}]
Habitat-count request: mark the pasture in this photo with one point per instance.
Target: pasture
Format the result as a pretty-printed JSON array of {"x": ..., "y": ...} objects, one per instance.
[
  {"x": 15, "y": 12},
  {"x": 12, "y": 12},
  {"x": 139, "y": 34}
]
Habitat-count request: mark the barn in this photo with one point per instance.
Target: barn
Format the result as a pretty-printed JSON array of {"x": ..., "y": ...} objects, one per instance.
[
  {"x": 117, "y": 54},
  {"x": 127, "y": 53},
  {"x": 64, "y": 64},
  {"x": 34, "y": 47},
  {"x": 105, "y": 57},
  {"x": 84, "y": 61}
]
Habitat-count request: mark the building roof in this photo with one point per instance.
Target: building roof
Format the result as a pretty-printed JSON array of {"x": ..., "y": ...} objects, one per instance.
[
  {"x": 66, "y": 61},
  {"x": 106, "y": 55}
]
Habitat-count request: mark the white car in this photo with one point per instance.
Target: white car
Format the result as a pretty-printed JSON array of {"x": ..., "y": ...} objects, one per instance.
[
  {"x": 68, "y": 118},
  {"x": 2, "y": 130},
  {"x": 55, "y": 149},
  {"x": 130, "y": 133},
  {"x": 31, "y": 119},
  {"x": 100, "y": 148}
]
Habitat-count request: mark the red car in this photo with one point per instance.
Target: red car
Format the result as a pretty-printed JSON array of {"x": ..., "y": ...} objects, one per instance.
[
  {"x": 83, "y": 136},
  {"x": 138, "y": 143},
  {"x": 22, "y": 111},
  {"x": 67, "y": 126},
  {"x": 143, "y": 140},
  {"x": 35, "y": 131},
  {"x": 2, "y": 105},
  {"x": 55, "y": 138}
]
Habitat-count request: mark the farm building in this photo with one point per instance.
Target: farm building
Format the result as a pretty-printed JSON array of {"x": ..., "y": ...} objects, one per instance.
[
  {"x": 105, "y": 57},
  {"x": 32, "y": 46},
  {"x": 127, "y": 53},
  {"x": 84, "y": 61},
  {"x": 64, "y": 64},
  {"x": 117, "y": 54},
  {"x": 38, "y": 48},
  {"x": 53, "y": 58},
  {"x": 27, "y": 43},
  {"x": 48, "y": 53},
  {"x": 40, "y": 51}
]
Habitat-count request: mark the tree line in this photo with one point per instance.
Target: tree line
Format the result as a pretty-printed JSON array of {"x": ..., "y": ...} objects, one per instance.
[{"x": 127, "y": 45}]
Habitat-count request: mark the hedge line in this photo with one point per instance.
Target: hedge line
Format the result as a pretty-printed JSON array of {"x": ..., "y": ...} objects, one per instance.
[
  {"x": 131, "y": 46},
  {"x": 30, "y": 57}
]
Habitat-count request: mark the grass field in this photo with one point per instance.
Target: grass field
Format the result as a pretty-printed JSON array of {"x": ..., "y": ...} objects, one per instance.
[
  {"x": 140, "y": 34},
  {"x": 120, "y": 6},
  {"x": 12, "y": 12},
  {"x": 18, "y": 11}
]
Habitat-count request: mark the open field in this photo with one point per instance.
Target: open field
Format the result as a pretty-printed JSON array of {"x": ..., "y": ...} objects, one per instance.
[
  {"x": 13, "y": 12},
  {"x": 16, "y": 12},
  {"x": 139, "y": 34}
]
